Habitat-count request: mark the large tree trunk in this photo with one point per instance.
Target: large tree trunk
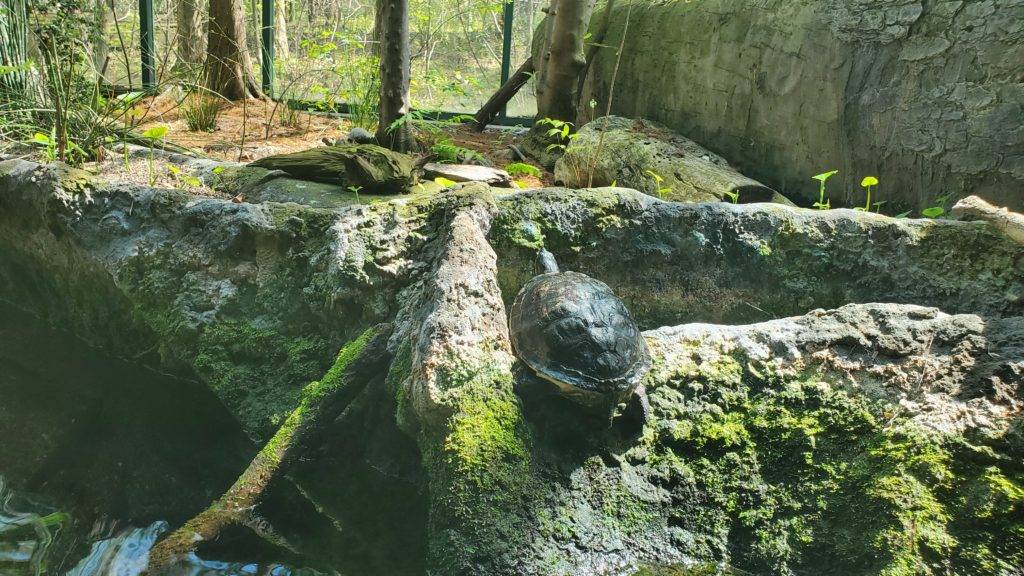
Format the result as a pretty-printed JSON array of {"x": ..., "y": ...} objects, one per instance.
[
  {"x": 190, "y": 42},
  {"x": 394, "y": 77},
  {"x": 564, "y": 59},
  {"x": 228, "y": 66}
]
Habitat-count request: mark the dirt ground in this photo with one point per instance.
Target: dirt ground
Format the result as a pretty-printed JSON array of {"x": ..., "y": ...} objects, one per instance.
[{"x": 247, "y": 131}]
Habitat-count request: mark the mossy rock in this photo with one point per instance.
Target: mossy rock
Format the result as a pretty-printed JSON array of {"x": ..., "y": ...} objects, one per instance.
[
  {"x": 649, "y": 157},
  {"x": 371, "y": 168}
]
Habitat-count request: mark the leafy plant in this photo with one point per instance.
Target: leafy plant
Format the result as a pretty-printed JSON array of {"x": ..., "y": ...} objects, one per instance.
[
  {"x": 823, "y": 203},
  {"x": 559, "y": 131},
  {"x": 938, "y": 209},
  {"x": 518, "y": 169},
  {"x": 155, "y": 136},
  {"x": 658, "y": 180},
  {"x": 867, "y": 184},
  {"x": 182, "y": 178},
  {"x": 49, "y": 145},
  {"x": 733, "y": 196}
]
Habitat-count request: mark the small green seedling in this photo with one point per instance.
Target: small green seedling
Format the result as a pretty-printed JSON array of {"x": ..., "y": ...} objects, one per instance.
[
  {"x": 155, "y": 135},
  {"x": 445, "y": 182},
  {"x": 823, "y": 203},
  {"x": 355, "y": 190},
  {"x": 180, "y": 177},
  {"x": 938, "y": 210},
  {"x": 867, "y": 183},
  {"x": 733, "y": 197},
  {"x": 662, "y": 190}
]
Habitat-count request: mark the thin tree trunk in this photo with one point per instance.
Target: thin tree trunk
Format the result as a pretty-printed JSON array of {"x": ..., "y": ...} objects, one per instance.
[
  {"x": 510, "y": 88},
  {"x": 556, "y": 97},
  {"x": 394, "y": 77},
  {"x": 281, "y": 50},
  {"x": 190, "y": 41},
  {"x": 228, "y": 66},
  {"x": 100, "y": 48},
  {"x": 596, "y": 43}
]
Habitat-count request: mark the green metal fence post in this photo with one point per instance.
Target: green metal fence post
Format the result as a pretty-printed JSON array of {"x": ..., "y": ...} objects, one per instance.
[
  {"x": 267, "y": 63},
  {"x": 506, "y": 46},
  {"x": 146, "y": 36}
]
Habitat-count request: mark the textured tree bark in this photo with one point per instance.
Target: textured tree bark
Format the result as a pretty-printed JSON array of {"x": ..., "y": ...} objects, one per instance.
[
  {"x": 596, "y": 43},
  {"x": 228, "y": 66},
  {"x": 565, "y": 60},
  {"x": 394, "y": 77},
  {"x": 509, "y": 89},
  {"x": 190, "y": 42}
]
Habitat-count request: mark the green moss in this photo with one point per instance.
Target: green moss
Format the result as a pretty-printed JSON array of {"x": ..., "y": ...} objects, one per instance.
[
  {"x": 257, "y": 371},
  {"x": 479, "y": 467}
]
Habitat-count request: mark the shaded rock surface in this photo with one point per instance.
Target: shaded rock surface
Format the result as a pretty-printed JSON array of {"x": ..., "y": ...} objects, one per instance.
[
  {"x": 862, "y": 440},
  {"x": 927, "y": 96},
  {"x": 648, "y": 157}
]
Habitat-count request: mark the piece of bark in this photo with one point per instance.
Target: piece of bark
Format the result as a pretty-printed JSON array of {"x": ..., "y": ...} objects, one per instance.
[
  {"x": 469, "y": 173},
  {"x": 974, "y": 208},
  {"x": 357, "y": 364}
]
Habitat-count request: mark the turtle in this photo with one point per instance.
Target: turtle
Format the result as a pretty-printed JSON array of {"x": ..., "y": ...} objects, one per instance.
[{"x": 572, "y": 331}]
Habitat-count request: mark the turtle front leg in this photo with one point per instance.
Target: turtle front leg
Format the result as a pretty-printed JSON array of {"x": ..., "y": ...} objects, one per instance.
[{"x": 637, "y": 412}]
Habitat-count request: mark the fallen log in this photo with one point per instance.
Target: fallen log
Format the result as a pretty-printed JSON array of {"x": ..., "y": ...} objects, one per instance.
[
  {"x": 357, "y": 364},
  {"x": 510, "y": 88}
]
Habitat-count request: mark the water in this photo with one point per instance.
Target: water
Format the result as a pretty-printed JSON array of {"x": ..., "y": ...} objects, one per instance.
[{"x": 99, "y": 457}]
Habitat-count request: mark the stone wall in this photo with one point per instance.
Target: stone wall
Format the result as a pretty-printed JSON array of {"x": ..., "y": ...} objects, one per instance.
[{"x": 926, "y": 95}]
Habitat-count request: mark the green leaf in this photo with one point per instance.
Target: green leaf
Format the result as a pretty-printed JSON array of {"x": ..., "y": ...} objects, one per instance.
[
  {"x": 869, "y": 181},
  {"x": 445, "y": 182},
  {"x": 825, "y": 175},
  {"x": 40, "y": 138},
  {"x": 933, "y": 212},
  {"x": 155, "y": 133}
]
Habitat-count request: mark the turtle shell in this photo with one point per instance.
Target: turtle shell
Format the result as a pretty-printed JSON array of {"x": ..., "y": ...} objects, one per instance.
[{"x": 572, "y": 330}]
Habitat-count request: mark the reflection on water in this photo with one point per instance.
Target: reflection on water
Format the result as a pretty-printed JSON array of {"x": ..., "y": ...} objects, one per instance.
[
  {"x": 101, "y": 455},
  {"x": 98, "y": 455}
]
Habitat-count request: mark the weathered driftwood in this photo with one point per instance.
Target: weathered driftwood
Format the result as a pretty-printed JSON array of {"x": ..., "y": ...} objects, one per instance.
[
  {"x": 1009, "y": 223},
  {"x": 372, "y": 168},
  {"x": 357, "y": 364},
  {"x": 468, "y": 173}
]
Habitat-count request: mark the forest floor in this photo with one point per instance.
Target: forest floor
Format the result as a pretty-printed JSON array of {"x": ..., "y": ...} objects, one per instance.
[{"x": 248, "y": 131}]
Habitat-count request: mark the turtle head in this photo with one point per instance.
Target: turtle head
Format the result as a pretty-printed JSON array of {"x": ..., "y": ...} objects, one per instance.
[{"x": 546, "y": 263}]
